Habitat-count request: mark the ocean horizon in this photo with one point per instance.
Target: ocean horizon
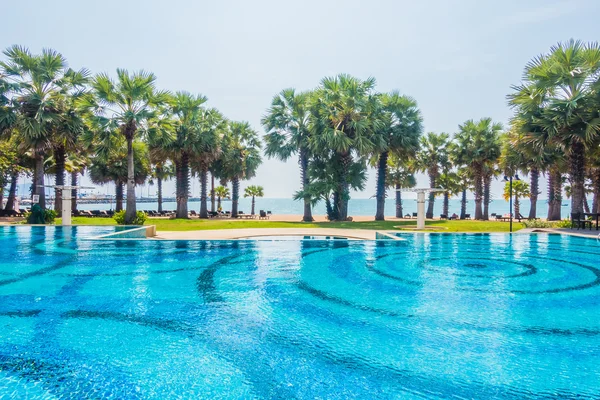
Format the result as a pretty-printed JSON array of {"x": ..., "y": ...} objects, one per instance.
[{"x": 357, "y": 207}]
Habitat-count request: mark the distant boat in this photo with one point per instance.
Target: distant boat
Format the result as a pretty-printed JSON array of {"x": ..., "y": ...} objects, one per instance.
[{"x": 564, "y": 205}]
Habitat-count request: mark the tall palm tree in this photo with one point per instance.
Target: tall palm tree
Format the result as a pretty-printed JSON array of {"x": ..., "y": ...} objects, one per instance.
[
  {"x": 450, "y": 182},
  {"x": 399, "y": 129},
  {"x": 288, "y": 133},
  {"x": 211, "y": 127},
  {"x": 43, "y": 81},
  {"x": 126, "y": 104},
  {"x": 240, "y": 158},
  {"x": 342, "y": 126},
  {"x": 401, "y": 175},
  {"x": 177, "y": 133},
  {"x": 561, "y": 84},
  {"x": 520, "y": 189},
  {"x": 254, "y": 192},
  {"x": 475, "y": 144},
  {"x": 433, "y": 157},
  {"x": 221, "y": 192},
  {"x": 110, "y": 168}
]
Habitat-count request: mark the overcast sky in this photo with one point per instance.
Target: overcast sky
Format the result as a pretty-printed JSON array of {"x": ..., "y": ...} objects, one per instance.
[{"x": 457, "y": 59}]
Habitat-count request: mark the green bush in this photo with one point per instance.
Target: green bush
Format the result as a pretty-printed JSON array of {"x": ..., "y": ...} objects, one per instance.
[
  {"x": 37, "y": 215},
  {"x": 547, "y": 224},
  {"x": 140, "y": 218},
  {"x": 536, "y": 223},
  {"x": 565, "y": 223}
]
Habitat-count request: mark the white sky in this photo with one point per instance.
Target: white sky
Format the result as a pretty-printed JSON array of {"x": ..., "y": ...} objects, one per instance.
[{"x": 457, "y": 59}]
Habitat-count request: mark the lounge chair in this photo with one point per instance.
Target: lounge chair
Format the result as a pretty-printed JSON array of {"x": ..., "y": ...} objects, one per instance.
[
  {"x": 467, "y": 216},
  {"x": 443, "y": 216},
  {"x": 268, "y": 212},
  {"x": 263, "y": 215},
  {"x": 415, "y": 215},
  {"x": 407, "y": 216},
  {"x": 578, "y": 219}
]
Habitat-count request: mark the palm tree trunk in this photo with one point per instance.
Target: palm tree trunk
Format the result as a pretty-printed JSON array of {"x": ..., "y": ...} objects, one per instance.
[
  {"x": 130, "y": 210},
  {"x": 586, "y": 204},
  {"x": 219, "y": 203},
  {"x": 335, "y": 211},
  {"x": 577, "y": 176},
  {"x": 446, "y": 204},
  {"x": 398, "y": 201},
  {"x": 432, "y": 179},
  {"x": 596, "y": 183},
  {"x": 253, "y": 203},
  {"x": 12, "y": 192},
  {"x": 344, "y": 195},
  {"x": 235, "y": 196},
  {"x": 478, "y": 178},
  {"x": 381, "y": 172},
  {"x": 535, "y": 177},
  {"x": 159, "y": 190},
  {"x": 329, "y": 209},
  {"x": 38, "y": 181},
  {"x": 487, "y": 182},
  {"x": 463, "y": 204},
  {"x": 554, "y": 195},
  {"x": 183, "y": 190},
  {"x": 59, "y": 180},
  {"x": 74, "y": 179},
  {"x": 307, "y": 217},
  {"x": 212, "y": 192},
  {"x": 119, "y": 196},
  {"x": 203, "y": 193},
  {"x": 517, "y": 207}
]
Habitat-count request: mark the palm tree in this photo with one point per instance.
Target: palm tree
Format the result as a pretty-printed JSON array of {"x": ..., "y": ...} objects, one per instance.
[
  {"x": 253, "y": 191},
  {"x": 449, "y": 181},
  {"x": 240, "y": 158},
  {"x": 211, "y": 126},
  {"x": 126, "y": 104},
  {"x": 519, "y": 189},
  {"x": 475, "y": 144},
  {"x": 463, "y": 183},
  {"x": 399, "y": 130},
  {"x": 433, "y": 157},
  {"x": 161, "y": 172},
  {"x": 43, "y": 82},
  {"x": 556, "y": 95},
  {"x": 401, "y": 175},
  {"x": 111, "y": 168},
  {"x": 288, "y": 133},
  {"x": 221, "y": 192},
  {"x": 342, "y": 127}
]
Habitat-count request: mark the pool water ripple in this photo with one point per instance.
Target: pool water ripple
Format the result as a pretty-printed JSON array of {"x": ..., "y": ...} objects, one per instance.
[{"x": 433, "y": 316}]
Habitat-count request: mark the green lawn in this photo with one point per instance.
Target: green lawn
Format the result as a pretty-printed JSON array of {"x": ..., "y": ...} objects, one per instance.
[{"x": 197, "y": 224}]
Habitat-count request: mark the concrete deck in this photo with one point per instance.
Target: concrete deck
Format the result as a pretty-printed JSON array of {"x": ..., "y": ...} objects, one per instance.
[{"x": 224, "y": 234}]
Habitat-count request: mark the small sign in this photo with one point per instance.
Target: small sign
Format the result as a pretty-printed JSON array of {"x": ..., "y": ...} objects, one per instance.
[{"x": 35, "y": 199}]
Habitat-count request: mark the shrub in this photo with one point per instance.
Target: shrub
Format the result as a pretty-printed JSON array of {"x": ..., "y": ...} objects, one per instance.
[
  {"x": 140, "y": 218},
  {"x": 538, "y": 224},
  {"x": 547, "y": 224},
  {"x": 565, "y": 223},
  {"x": 39, "y": 216}
]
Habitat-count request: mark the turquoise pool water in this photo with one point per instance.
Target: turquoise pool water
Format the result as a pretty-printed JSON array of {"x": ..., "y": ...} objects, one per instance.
[{"x": 437, "y": 316}]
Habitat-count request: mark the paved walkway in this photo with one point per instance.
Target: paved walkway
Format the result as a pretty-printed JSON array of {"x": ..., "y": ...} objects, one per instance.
[{"x": 242, "y": 233}]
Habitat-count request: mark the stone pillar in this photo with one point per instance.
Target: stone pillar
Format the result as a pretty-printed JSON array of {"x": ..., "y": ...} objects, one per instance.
[
  {"x": 420, "y": 210},
  {"x": 66, "y": 206}
]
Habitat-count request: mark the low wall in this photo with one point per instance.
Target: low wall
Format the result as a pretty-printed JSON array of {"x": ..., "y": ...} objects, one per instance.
[{"x": 141, "y": 232}]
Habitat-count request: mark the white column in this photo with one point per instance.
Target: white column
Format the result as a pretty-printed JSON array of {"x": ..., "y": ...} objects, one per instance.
[
  {"x": 420, "y": 210},
  {"x": 66, "y": 207}
]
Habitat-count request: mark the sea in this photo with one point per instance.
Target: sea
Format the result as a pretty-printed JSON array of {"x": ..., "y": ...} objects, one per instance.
[{"x": 357, "y": 207}]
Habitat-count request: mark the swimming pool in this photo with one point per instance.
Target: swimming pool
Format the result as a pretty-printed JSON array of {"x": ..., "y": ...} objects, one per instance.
[{"x": 433, "y": 316}]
